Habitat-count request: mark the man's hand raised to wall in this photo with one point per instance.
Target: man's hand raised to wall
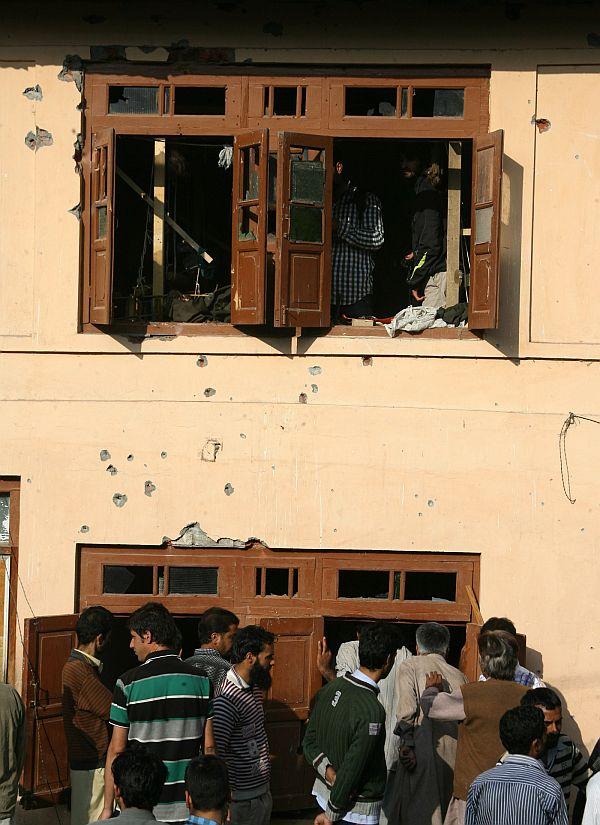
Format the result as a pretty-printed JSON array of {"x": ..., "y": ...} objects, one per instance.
[
  {"x": 434, "y": 680},
  {"x": 325, "y": 660}
]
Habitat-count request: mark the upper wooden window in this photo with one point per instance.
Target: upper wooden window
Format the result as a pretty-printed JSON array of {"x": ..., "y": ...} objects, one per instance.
[{"x": 169, "y": 157}]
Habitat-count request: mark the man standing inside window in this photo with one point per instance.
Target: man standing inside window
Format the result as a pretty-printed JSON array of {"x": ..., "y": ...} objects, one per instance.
[
  {"x": 164, "y": 704},
  {"x": 216, "y": 630},
  {"x": 239, "y": 723},
  {"x": 357, "y": 234},
  {"x": 345, "y": 737},
  {"x": 86, "y": 708}
]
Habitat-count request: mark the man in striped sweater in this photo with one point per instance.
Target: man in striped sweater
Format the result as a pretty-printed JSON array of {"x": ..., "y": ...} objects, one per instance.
[
  {"x": 164, "y": 704},
  {"x": 239, "y": 725},
  {"x": 345, "y": 737},
  {"x": 518, "y": 791}
]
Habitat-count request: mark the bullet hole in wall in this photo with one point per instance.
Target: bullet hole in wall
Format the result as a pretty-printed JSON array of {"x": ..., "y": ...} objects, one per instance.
[
  {"x": 130, "y": 457},
  {"x": 84, "y": 529},
  {"x": 119, "y": 499},
  {"x": 163, "y": 454},
  {"x": 33, "y": 92},
  {"x": 303, "y": 398},
  {"x": 229, "y": 489},
  {"x": 202, "y": 361},
  {"x": 209, "y": 392},
  {"x": 104, "y": 455},
  {"x": 149, "y": 488},
  {"x": 35, "y": 140},
  {"x": 112, "y": 469},
  {"x": 315, "y": 370},
  {"x": 367, "y": 361},
  {"x": 314, "y": 388}
]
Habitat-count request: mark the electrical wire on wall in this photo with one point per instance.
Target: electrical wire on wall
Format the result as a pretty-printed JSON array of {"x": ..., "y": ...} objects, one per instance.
[{"x": 565, "y": 473}]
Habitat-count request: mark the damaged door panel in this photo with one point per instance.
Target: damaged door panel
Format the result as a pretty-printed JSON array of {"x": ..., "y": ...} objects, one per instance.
[{"x": 102, "y": 225}]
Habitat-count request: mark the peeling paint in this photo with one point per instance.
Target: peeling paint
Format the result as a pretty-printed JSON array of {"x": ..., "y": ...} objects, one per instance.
[
  {"x": 104, "y": 455},
  {"x": 229, "y": 489},
  {"x": 209, "y": 392},
  {"x": 149, "y": 488},
  {"x": 202, "y": 361},
  {"x": 211, "y": 449},
  {"x": 72, "y": 70},
  {"x": 315, "y": 370},
  {"x": 112, "y": 469},
  {"x": 303, "y": 398},
  {"x": 33, "y": 92},
  {"x": 119, "y": 499},
  {"x": 193, "y": 535},
  {"x": 35, "y": 140}
]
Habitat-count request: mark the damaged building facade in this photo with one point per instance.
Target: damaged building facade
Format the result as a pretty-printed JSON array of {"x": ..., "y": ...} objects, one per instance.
[{"x": 185, "y": 419}]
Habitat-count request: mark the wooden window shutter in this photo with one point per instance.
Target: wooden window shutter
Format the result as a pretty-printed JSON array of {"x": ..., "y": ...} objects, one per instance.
[
  {"x": 102, "y": 225},
  {"x": 469, "y": 655},
  {"x": 485, "y": 231},
  {"x": 249, "y": 228},
  {"x": 304, "y": 224}
]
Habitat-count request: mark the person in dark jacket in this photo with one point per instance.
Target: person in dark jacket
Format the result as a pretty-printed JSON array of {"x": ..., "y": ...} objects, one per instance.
[{"x": 427, "y": 259}]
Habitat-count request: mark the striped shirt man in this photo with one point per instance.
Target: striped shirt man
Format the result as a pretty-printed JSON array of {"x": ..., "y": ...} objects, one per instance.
[
  {"x": 241, "y": 737},
  {"x": 516, "y": 792},
  {"x": 566, "y": 764},
  {"x": 164, "y": 704},
  {"x": 358, "y": 234}
]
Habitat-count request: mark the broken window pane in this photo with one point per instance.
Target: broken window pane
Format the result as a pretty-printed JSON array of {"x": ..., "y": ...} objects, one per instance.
[
  {"x": 483, "y": 224},
  {"x": 306, "y": 223},
  {"x": 430, "y": 587},
  {"x": 308, "y": 181},
  {"x": 248, "y": 223},
  {"x": 294, "y": 582},
  {"x": 250, "y": 172},
  {"x": 167, "y": 101},
  {"x": 303, "y": 101},
  {"x": 485, "y": 172},
  {"x": 363, "y": 584},
  {"x": 284, "y": 101},
  {"x": 276, "y": 581},
  {"x": 259, "y": 575},
  {"x": 404, "y": 103},
  {"x": 134, "y": 578},
  {"x": 438, "y": 102},
  {"x": 102, "y": 215},
  {"x": 199, "y": 100},
  {"x": 4, "y": 519},
  {"x": 133, "y": 100},
  {"x": 370, "y": 101},
  {"x": 194, "y": 580}
]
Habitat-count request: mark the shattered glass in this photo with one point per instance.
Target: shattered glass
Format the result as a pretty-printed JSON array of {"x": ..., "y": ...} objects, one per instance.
[
  {"x": 4, "y": 518},
  {"x": 306, "y": 224},
  {"x": 308, "y": 181}
]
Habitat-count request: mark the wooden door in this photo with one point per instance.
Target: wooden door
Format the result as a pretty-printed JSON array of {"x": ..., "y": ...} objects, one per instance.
[
  {"x": 48, "y": 643},
  {"x": 102, "y": 226},
  {"x": 304, "y": 226},
  {"x": 295, "y": 683}
]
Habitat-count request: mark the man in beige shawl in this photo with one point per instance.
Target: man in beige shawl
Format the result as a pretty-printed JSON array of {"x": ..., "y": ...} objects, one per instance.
[{"x": 423, "y": 782}]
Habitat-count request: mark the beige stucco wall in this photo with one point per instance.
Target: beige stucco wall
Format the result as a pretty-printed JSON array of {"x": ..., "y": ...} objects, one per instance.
[{"x": 436, "y": 446}]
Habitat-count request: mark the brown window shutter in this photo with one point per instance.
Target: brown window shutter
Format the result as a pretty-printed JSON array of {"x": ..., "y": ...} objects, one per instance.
[
  {"x": 485, "y": 231},
  {"x": 102, "y": 225},
  {"x": 249, "y": 227},
  {"x": 304, "y": 225},
  {"x": 469, "y": 655}
]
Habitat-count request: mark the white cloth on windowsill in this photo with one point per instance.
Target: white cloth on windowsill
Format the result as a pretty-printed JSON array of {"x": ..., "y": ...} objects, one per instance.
[{"x": 414, "y": 319}]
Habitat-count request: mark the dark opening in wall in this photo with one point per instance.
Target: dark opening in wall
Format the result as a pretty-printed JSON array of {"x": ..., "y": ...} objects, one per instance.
[
  {"x": 363, "y": 584},
  {"x": 134, "y": 578},
  {"x": 438, "y": 102},
  {"x": 133, "y": 100},
  {"x": 199, "y": 100},
  {"x": 370, "y": 101},
  {"x": 430, "y": 587}
]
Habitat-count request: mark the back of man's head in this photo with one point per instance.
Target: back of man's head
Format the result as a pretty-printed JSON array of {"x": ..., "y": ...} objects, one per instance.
[
  {"x": 521, "y": 728},
  {"x": 499, "y": 623},
  {"x": 139, "y": 776},
  {"x": 215, "y": 620},
  {"x": 207, "y": 785},
  {"x": 376, "y": 644},
  {"x": 433, "y": 638},
  {"x": 498, "y": 655},
  {"x": 250, "y": 639},
  {"x": 542, "y": 697},
  {"x": 93, "y": 622},
  {"x": 154, "y": 618}
]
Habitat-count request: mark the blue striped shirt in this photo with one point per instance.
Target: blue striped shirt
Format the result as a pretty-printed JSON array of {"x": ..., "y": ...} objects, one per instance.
[{"x": 517, "y": 792}]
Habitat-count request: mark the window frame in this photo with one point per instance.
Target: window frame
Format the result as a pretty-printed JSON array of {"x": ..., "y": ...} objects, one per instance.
[
  {"x": 12, "y": 487},
  {"x": 240, "y": 81}
]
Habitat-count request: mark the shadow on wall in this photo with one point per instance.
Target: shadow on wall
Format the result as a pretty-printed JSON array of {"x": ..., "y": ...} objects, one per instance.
[{"x": 506, "y": 337}]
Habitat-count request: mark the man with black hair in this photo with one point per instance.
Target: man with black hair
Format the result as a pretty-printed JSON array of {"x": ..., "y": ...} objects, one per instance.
[
  {"x": 239, "y": 724},
  {"x": 518, "y": 791},
  {"x": 216, "y": 630},
  {"x": 86, "y": 707},
  {"x": 163, "y": 703},
  {"x": 562, "y": 759},
  {"x": 345, "y": 736},
  {"x": 138, "y": 779},
  {"x": 207, "y": 791},
  {"x": 522, "y": 675}
]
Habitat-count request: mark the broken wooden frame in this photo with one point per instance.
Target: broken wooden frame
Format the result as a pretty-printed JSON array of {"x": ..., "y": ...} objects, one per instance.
[{"x": 306, "y": 104}]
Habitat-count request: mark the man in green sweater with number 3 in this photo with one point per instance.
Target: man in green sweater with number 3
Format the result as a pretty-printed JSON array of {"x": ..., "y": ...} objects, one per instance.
[{"x": 345, "y": 736}]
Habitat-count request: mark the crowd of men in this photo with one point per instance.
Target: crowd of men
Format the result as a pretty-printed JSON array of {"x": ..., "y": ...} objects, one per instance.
[{"x": 392, "y": 737}]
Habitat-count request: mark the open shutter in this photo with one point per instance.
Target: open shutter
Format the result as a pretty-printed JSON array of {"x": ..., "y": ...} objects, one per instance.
[
  {"x": 102, "y": 225},
  {"x": 249, "y": 228},
  {"x": 304, "y": 224},
  {"x": 296, "y": 680},
  {"x": 485, "y": 231},
  {"x": 48, "y": 643}
]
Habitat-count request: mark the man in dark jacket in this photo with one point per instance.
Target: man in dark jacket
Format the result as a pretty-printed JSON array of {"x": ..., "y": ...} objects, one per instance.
[
  {"x": 345, "y": 737},
  {"x": 427, "y": 259},
  {"x": 86, "y": 707}
]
